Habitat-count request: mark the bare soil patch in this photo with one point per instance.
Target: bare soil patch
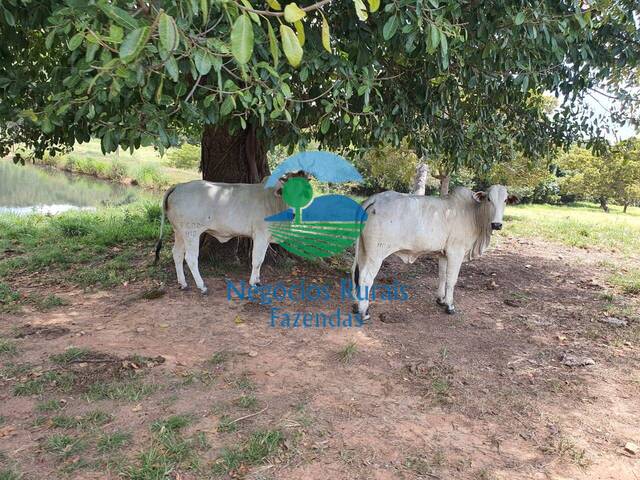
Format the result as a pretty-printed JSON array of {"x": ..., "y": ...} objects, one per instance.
[{"x": 483, "y": 394}]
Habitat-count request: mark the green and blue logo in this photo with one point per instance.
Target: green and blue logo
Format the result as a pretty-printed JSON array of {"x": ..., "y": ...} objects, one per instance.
[{"x": 316, "y": 227}]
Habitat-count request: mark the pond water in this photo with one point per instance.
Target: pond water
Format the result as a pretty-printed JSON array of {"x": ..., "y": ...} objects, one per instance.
[{"x": 30, "y": 189}]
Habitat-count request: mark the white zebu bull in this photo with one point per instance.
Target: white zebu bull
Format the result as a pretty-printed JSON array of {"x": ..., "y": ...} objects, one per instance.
[
  {"x": 223, "y": 210},
  {"x": 456, "y": 227}
]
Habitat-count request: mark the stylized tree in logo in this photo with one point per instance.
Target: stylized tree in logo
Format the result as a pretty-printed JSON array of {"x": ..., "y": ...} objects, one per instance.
[{"x": 322, "y": 226}]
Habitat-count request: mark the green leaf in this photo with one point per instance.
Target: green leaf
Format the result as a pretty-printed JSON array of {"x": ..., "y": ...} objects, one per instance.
[
  {"x": 434, "y": 36},
  {"x": 254, "y": 16},
  {"x": 361, "y": 10},
  {"x": 168, "y": 31},
  {"x": 293, "y": 13},
  {"x": 75, "y": 41},
  {"x": 390, "y": 28},
  {"x": 49, "y": 40},
  {"x": 324, "y": 126},
  {"x": 90, "y": 54},
  {"x": 520, "y": 17},
  {"x": 300, "y": 32},
  {"x": 444, "y": 50},
  {"x": 202, "y": 60},
  {"x": 374, "y": 5},
  {"x": 204, "y": 7},
  {"x": 171, "y": 66},
  {"x": 134, "y": 43},
  {"x": 242, "y": 39},
  {"x": 119, "y": 15},
  {"x": 227, "y": 106},
  {"x": 326, "y": 36},
  {"x": 291, "y": 45},
  {"x": 274, "y": 4},
  {"x": 116, "y": 34},
  {"x": 9, "y": 18},
  {"x": 273, "y": 45}
]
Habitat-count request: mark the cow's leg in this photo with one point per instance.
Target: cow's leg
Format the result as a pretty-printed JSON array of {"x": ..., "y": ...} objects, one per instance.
[
  {"x": 260, "y": 245},
  {"x": 442, "y": 279},
  {"x": 178, "y": 258},
  {"x": 367, "y": 273},
  {"x": 192, "y": 245},
  {"x": 454, "y": 261}
]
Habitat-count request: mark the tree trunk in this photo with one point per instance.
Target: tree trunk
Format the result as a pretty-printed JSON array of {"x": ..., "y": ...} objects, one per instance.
[
  {"x": 625, "y": 205},
  {"x": 603, "y": 204},
  {"x": 230, "y": 158},
  {"x": 237, "y": 158},
  {"x": 444, "y": 185},
  {"x": 420, "y": 181}
]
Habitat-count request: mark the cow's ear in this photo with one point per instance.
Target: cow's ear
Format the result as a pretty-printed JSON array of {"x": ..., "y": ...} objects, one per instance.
[
  {"x": 479, "y": 196},
  {"x": 512, "y": 200}
]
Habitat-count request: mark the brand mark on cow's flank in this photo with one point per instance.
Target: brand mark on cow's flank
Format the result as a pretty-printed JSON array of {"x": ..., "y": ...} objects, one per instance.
[{"x": 316, "y": 227}]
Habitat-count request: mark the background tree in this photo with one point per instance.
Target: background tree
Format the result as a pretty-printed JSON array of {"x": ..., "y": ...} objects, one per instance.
[{"x": 614, "y": 176}]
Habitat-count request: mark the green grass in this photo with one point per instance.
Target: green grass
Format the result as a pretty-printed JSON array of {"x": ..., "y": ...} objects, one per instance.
[
  {"x": 110, "y": 442},
  {"x": 104, "y": 248},
  {"x": 144, "y": 165},
  {"x": 258, "y": 448},
  {"x": 171, "y": 424},
  {"x": 246, "y": 401},
  {"x": 64, "y": 446},
  {"x": 7, "y": 347},
  {"x": 72, "y": 354},
  {"x": 125, "y": 390},
  {"x": 347, "y": 353},
  {"x": 10, "y": 474},
  {"x": 50, "y": 380},
  {"x": 49, "y": 406},
  {"x": 578, "y": 225},
  {"x": 628, "y": 282}
]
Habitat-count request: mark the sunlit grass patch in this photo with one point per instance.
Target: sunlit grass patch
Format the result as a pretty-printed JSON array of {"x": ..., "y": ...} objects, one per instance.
[
  {"x": 628, "y": 282},
  {"x": 581, "y": 225},
  {"x": 104, "y": 248}
]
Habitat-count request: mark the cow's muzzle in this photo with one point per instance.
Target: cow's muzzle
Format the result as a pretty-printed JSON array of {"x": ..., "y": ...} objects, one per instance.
[{"x": 496, "y": 226}]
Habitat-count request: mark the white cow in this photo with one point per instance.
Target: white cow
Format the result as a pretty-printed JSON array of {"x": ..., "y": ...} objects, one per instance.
[
  {"x": 223, "y": 210},
  {"x": 456, "y": 227}
]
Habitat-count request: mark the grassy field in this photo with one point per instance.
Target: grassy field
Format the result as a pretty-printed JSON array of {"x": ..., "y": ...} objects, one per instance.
[
  {"x": 144, "y": 166},
  {"x": 88, "y": 249},
  {"x": 579, "y": 225}
]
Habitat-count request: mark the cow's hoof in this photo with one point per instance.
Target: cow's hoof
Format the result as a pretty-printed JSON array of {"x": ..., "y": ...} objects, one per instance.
[
  {"x": 184, "y": 288},
  {"x": 450, "y": 309},
  {"x": 257, "y": 284},
  {"x": 440, "y": 301},
  {"x": 204, "y": 291},
  {"x": 354, "y": 308}
]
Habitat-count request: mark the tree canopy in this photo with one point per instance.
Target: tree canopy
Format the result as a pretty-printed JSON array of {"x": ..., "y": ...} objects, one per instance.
[
  {"x": 459, "y": 79},
  {"x": 613, "y": 176}
]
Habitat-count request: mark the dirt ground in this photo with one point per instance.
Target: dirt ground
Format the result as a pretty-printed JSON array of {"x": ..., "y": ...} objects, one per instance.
[{"x": 483, "y": 394}]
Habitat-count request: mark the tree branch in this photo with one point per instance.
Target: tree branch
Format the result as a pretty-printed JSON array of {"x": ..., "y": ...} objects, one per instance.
[{"x": 268, "y": 13}]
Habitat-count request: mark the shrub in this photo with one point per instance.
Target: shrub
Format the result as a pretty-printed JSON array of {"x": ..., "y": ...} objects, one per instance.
[
  {"x": 186, "y": 156},
  {"x": 117, "y": 170},
  {"x": 152, "y": 211},
  {"x": 72, "y": 226},
  {"x": 150, "y": 176}
]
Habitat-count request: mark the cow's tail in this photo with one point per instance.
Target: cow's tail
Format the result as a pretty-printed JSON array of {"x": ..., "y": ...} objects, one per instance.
[
  {"x": 355, "y": 269},
  {"x": 164, "y": 209}
]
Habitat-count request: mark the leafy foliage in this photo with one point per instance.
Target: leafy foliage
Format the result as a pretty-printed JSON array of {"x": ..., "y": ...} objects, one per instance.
[
  {"x": 613, "y": 176},
  {"x": 459, "y": 80}
]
